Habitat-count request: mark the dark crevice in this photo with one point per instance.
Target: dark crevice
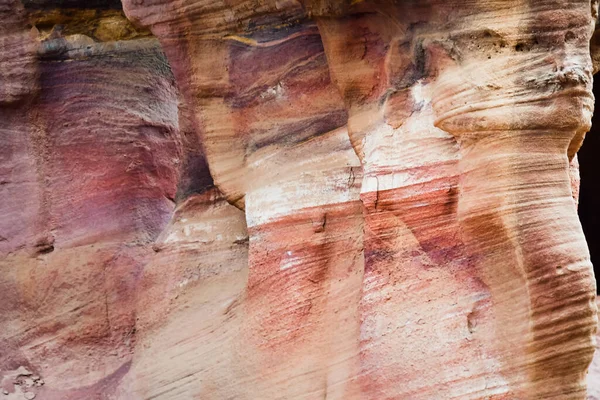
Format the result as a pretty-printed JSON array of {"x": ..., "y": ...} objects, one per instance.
[
  {"x": 589, "y": 197},
  {"x": 76, "y": 4},
  {"x": 44, "y": 249}
]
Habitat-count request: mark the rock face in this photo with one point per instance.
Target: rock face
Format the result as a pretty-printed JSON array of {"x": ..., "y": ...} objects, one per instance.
[
  {"x": 89, "y": 152},
  {"x": 283, "y": 199}
]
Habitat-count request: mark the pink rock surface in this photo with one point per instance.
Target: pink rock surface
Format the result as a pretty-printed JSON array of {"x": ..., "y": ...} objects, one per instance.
[
  {"x": 593, "y": 377},
  {"x": 89, "y": 172},
  {"x": 323, "y": 199}
]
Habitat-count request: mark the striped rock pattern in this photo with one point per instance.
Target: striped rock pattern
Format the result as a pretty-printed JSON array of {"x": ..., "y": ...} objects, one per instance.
[
  {"x": 88, "y": 171},
  {"x": 593, "y": 378},
  {"x": 295, "y": 199}
]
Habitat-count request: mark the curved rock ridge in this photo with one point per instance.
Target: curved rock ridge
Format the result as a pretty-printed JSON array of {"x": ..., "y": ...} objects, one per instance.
[
  {"x": 190, "y": 306},
  {"x": 283, "y": 199},
  {"x": 272, "y": 125},
  {"x": 463, "y": 116},
  {"x": 512, "y": 98}
]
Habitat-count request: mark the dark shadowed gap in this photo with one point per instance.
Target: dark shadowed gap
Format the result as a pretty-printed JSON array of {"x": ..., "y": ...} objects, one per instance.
[
  {"x": 589, "y": 197},
  {"x": 75, "y": 4}
]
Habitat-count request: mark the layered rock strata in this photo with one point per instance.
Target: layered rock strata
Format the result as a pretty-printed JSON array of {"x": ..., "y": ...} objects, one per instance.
[
  {"x": 342, "y": 200},
  {"x": 90, "y": 149},
  {"x": 505, "y": 114},
  {"x": 463, "y": 122}
]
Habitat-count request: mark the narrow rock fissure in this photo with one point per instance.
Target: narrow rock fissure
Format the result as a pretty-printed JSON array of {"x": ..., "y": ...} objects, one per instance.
[{"x": 589, "y": 196}]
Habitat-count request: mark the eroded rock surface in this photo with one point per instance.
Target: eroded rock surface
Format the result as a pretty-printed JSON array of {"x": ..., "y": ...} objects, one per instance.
[
  {"x": 281, "y": 199},
  {"x": 90, "y": 159}
]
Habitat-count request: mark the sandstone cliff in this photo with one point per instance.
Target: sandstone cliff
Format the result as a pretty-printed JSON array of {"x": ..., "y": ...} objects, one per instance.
[{"x": 260, "y": 199}]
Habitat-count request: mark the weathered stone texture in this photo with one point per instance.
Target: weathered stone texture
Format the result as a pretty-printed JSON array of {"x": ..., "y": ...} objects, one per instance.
[
  {"x": 89, "y": 174},
  {"x": 318, "y": 199}
]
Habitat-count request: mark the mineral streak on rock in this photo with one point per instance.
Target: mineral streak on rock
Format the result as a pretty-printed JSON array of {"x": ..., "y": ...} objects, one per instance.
[
  {"x": 136, "y": 140},
  {"x": 272, "y": 125},
  {"x": 90, "y": 152},
  {"x": 511, "y": 96},
  {"x": 310, "y": 199}
]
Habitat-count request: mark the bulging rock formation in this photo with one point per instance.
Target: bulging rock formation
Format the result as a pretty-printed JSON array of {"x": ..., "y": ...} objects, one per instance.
[
  {"x": 295, "y": 200},
  {"x": 90, "y": 150}
]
